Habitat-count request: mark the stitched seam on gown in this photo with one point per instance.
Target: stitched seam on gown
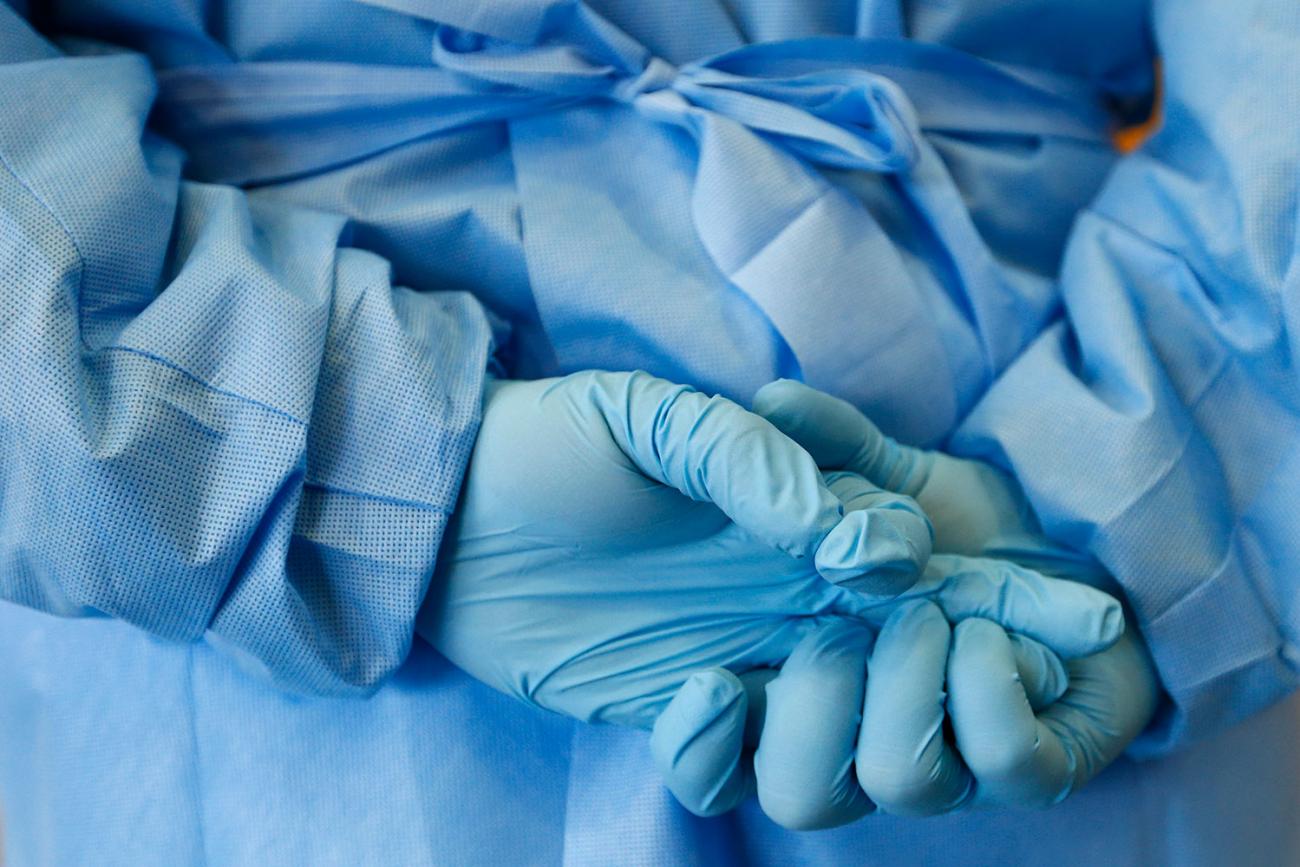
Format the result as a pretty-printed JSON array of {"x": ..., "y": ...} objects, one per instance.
[
  {"x": 378, "y": 498},
  {"x": 194, "y": 748},
  {"x": 67, "y": 236},
  {"x": 171, "y": 365},
  {"x": 81, "y": 272},
  {"x": 1190, "y": 406},
  {"x": 568, "y": 791},
  {"x": 1195, "y": 400}
]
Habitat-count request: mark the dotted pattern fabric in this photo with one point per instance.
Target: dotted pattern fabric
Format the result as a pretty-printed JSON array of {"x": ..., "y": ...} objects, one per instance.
[
  {"x": 164, "y": 754},
  {"x": 215, "y": 418}
]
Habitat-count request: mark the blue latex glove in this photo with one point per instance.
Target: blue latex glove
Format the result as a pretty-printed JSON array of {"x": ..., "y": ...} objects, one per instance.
[
  {"x": 1020, "y": 744},
  {"x": 1016, "y": 756},
  {"x": 1020, "y": 757},
  {"x": 617, "y": 532},
  {"x": 791, "y": 735},
  {"x": 976, "y": 509}
]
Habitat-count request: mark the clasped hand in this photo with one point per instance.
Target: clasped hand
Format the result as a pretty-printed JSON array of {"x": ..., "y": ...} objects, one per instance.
[{"x": 628, "y": 550}]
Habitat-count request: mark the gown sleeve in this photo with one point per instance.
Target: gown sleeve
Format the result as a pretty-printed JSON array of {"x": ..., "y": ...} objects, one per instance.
[
  {"x": 1158, "y": 424},
  {"x": 216, "y": 417}
]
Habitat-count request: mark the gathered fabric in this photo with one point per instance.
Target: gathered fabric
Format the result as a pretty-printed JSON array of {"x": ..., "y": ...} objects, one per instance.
[{"x": 260, "y": 255}]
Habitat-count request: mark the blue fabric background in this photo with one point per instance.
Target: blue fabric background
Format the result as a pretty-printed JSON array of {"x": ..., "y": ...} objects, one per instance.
[{"x": 222, "y": 420}]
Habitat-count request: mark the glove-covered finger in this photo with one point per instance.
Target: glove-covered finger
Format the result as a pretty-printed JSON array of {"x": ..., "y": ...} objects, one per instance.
[
  {"x": 1015, "y": 758},
  {"x": 1071, "y": 619},
  {"x": 698, "y": 743},
  {"x": 712, "y": 450},
  {"x": 804, "y": 762},
  {"x": 904, "y": 762},
  {"x": 884, "y": 531},
  {"x": 1041, "y": 672},
  {"x": 839, "y": 437},
  {"x": 1023, "y": 759}
]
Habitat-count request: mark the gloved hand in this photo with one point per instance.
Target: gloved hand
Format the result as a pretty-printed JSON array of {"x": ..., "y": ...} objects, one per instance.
[
  {"x": 1020, "y": 744},
  {"x": 594, "y": 567},
  {"x": 791, "y": 735},
  {"x": 976, "y": 509},
  {"x": 617, "y": 532},
  {"x": 1025, "y": 759},
  {"x": 1017, "y": 758}
]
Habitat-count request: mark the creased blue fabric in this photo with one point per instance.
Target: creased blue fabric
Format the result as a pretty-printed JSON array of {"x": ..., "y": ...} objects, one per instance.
[
  {"x": 206, "y": 400},
  {"x": 1174, "y": 372},
  {"x": 719, "y": 193},
  {"x": 787, "y": 111}
]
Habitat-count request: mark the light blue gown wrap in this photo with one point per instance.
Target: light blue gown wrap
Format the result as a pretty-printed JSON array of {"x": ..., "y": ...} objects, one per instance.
[{"x": 257, "y": 258}]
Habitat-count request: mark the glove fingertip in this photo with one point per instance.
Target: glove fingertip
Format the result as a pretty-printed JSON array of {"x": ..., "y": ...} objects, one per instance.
[
  {"x": 697, "y": 741},
  {"x": 1104, "y": 625},
  {"x": 876, "y": 552},
  {"x": 1041, "y": 672},
  {"x": 775, "y": 394},
  {"x": 1112, "y": 624}
]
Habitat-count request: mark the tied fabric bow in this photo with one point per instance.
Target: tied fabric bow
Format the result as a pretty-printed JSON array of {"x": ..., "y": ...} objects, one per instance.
[
  {"x": 846, "y": 118},
  {"x": 771, "y": 124}
]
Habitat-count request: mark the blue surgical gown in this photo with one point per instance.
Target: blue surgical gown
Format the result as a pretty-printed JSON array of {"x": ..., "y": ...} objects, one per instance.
[{"x": 256, "y": 260}]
